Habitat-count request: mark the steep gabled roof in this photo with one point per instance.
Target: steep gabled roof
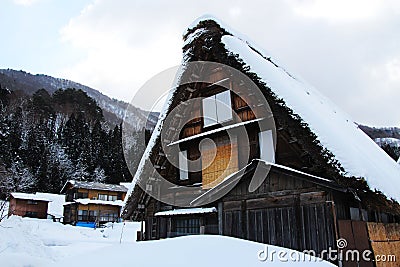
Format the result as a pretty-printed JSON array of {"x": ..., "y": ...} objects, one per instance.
[
  {"x": 350, "y": 151},
  {"x": 95, "y": 186}
]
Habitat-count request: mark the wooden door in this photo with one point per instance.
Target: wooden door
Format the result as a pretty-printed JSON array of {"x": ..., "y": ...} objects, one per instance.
[{"x": 356, "y": 235}]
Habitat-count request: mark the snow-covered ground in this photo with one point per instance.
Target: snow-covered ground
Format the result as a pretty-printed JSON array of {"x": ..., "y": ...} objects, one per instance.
[{"x": 34, "y": 242}]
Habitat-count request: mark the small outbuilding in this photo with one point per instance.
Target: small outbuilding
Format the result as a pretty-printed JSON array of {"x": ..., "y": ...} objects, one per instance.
[{"x": 28, "y": 205}]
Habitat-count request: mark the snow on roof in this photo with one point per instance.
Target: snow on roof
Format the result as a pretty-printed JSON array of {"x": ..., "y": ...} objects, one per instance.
[
  {"x": 294, "y": 170},
  {"x": 27, "y": 196},
  {"x": 96, "y": 186},
  {"x": 56, "y": 205},
  {"x": 356, "y": 152},
  {"x": 127, "y": 185},
  {"x": 86, "y": 201},
  {"x": 186, "y": 211},
  {"x": 156, "y": 132}
]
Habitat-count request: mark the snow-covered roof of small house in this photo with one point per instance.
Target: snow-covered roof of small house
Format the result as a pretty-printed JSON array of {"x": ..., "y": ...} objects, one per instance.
[
  {"x": 27, "y": 196},
  {"x": 336, "y": 131},
  {"x": 95, "y": 186}
]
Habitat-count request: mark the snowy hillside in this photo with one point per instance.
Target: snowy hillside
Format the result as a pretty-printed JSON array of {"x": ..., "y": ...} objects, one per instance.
[
  {"x": 388, "y": 141},
  {"x": 114, "y": 110},
  {"x": 388, "y": 138},
  {"x": 33, "y": 242}
]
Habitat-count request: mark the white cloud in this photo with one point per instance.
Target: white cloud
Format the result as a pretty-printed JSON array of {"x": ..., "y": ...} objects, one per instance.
[
  {"x": 393, "y": 69},
  {"x": 127, "y": 43},
  {"x": 122, "y": 53},
  {"x": 235, "y": 11},
  {"x": 338, "y": 10},
  {"x": 380, "y": 100}
]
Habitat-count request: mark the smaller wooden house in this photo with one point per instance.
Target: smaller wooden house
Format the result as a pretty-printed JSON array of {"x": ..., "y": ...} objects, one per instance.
[
  {"x": 92, "y": 203},
  {"x": 28, "y": 205}
]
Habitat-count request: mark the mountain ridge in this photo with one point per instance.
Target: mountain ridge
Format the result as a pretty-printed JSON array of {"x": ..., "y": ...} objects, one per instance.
[{"x": 113, "y": 109}]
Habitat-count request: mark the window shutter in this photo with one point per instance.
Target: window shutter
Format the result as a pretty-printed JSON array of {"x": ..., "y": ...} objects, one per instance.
[
  {"x": 224, "y": 109},
  {"x": 266, "y": 143},
  {"x": 183, "y": 165},
  {"x": 209, "y": 111}
]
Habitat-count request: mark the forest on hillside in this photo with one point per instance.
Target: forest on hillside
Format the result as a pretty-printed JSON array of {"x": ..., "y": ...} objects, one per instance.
[
  {"x": 47, "y": 139},
  {"x": 380, "y": 134}
]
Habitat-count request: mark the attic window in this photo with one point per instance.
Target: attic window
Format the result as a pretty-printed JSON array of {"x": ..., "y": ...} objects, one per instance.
[{"x": 217, "y": 108}]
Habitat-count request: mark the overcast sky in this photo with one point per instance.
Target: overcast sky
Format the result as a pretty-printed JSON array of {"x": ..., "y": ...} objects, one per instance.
[{"x": 349, "y": 50}]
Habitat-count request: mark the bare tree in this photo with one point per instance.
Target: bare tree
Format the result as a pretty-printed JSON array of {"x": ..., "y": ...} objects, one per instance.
[
  {"x": 3, "y": 209},
  {"x": 3, "y": 193}
]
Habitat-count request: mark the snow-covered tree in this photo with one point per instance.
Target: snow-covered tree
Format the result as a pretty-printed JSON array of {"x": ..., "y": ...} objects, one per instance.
[
  {"x": 99, "y": 175},
  {"x": 81, "y": 172},
  {"x": 18, "y": 178}
]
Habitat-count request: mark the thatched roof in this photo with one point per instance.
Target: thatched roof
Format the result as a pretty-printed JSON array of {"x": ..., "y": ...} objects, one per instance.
[{"x": 337, "y": 147}]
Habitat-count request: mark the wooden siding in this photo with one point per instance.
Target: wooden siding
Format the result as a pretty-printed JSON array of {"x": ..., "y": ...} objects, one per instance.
[
  {"x": 21, "y": 207},
  {"x": 356, "y": 235},
  {"x": 385, "y": 240},
  {"x": 276, "y": 183},
  {"x": 94, "y": 194},
  {"x": 284, "y": 211},
  {"x": 163, "y": 227},
  {"x": 96, "y": 207},
  {"x": 298, "y": 227},
  {"x": 71, "y": 211}
]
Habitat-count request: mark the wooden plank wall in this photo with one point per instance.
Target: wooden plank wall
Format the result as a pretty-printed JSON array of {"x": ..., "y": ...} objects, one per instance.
[
  {"x": 21, "y": 206},
  {"x": 385, "y": 240},
  {"x": 302, "y": 228},
  {"x": 94, "y": 193},
  {"x": 356, "y": 235}
]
